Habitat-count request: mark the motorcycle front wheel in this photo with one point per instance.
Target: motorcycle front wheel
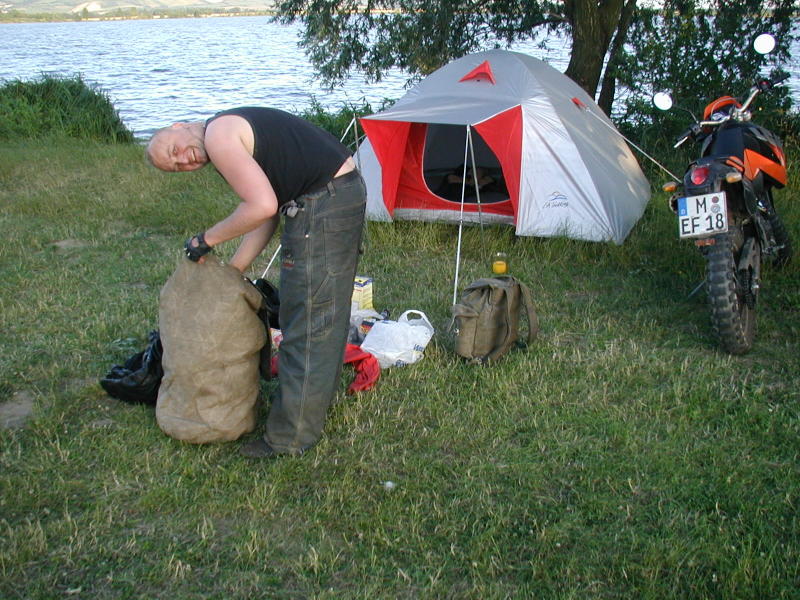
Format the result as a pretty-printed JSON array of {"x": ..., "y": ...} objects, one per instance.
[
  {"x": 732, "y": 290},
  {"x": 784, "y": 253}
]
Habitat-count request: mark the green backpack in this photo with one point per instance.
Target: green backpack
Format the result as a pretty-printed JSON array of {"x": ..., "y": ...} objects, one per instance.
[{"x": 488, "y": 318}]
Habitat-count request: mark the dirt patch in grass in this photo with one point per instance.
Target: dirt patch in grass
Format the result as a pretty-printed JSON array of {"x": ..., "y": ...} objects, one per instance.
[{"x": 16, "y": 412}]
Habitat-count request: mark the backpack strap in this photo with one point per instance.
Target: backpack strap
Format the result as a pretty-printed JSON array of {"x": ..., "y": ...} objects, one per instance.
[
  {"x": 504, "y": 285},
  {"x": 533, "y": 320}
]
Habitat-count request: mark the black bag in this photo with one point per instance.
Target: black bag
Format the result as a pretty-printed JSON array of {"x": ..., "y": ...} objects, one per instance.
[
  {"x": 138, "y": 380},
  {"x": 268, "y": 313},
  {"x": 488, "y": 318},
  {"x": 272, "y": 303}
]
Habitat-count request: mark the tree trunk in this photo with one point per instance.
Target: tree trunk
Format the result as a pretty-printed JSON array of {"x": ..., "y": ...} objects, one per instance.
[
  {"x": 593, "y": 24},
  {"x": 609, "y": 88}
]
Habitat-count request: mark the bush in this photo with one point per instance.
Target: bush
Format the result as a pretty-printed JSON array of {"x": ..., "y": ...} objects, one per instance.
[
  {"x": 339, "y": 123},
  {"x": 59, "y": 106}
]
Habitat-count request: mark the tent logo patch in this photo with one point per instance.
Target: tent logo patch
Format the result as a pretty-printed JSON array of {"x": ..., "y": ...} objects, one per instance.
[{"x": 557, "y": 200}]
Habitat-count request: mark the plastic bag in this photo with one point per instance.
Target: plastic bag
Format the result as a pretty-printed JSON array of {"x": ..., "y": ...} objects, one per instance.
[
  {"x": 137, "y": 381},
  {"x": 401, "y": 342}
]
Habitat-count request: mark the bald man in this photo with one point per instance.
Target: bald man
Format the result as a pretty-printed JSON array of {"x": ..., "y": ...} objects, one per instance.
[{"x": 279, "y": 164}]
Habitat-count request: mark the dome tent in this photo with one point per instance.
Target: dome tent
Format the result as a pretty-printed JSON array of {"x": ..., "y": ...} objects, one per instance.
[{"x": 558, "y": 166}]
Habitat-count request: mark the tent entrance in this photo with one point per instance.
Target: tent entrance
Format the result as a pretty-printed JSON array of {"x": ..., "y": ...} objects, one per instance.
[
  {"x": 431, "y": 152},
  {"x": 443, "y": 166}
]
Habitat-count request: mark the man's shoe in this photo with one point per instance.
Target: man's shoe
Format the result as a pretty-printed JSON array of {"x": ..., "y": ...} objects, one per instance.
[{"x": 257, "y": 448}]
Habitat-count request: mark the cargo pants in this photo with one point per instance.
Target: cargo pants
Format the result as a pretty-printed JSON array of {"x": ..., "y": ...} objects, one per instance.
[{"x": 319, "y": 255}]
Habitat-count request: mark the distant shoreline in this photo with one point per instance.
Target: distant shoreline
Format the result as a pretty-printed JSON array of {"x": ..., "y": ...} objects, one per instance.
[{"x": 18, "y": 17}]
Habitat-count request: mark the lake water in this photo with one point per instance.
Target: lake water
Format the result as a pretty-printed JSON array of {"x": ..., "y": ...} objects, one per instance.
[{"x": 158, "y": 71}]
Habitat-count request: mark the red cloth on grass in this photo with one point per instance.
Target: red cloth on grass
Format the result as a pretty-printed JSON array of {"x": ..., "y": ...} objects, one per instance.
[{"x": 367, "y": 368}]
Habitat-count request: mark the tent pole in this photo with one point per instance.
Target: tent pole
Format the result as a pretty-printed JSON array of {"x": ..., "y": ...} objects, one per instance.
[
  {"x": 355, "y": 130},
  {"x": 354, "y": 125},
  {"x": 357, "y": 156},
  {"x": 346, "y": 131},
  {"x": 475, "y": 177},
  {"x": 461, "y": 215},
  {"x": 272, "y": 260}
]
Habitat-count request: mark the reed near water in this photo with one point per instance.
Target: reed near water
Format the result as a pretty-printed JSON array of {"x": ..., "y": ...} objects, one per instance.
[
  {"x": 55, "y": 105},
  {"x": 621, "y": 455}
]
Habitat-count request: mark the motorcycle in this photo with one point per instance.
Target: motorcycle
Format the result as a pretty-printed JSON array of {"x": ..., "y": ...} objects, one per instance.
[{"x": 726, "y": 206}]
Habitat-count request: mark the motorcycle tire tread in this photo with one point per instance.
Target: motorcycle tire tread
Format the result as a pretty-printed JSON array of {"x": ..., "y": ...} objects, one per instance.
[
  {"x": 785, "y": 251},
  {"x": 733, "y": 322}
]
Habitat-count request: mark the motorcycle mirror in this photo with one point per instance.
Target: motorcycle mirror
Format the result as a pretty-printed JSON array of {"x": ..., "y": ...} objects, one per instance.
[
  {"x": 764, "y": 43},
  {"x": 662, "y": 100}
]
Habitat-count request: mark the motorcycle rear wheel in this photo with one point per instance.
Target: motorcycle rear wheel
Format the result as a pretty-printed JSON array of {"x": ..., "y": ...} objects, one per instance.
[{"x": 731, "y": 293}]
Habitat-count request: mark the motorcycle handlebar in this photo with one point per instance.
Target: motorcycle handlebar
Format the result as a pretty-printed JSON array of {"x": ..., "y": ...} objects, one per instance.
[
  {"x": 781, "y": 79},
  {"x": 761, "y": 86},
  {"x": 767, "y": 84},
  {"x": 689, "y": 133}
]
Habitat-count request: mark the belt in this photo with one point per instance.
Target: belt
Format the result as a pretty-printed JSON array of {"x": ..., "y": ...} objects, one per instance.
[
  {"x": 291, "y": 208},
  {"x": 329, "y": 187}
]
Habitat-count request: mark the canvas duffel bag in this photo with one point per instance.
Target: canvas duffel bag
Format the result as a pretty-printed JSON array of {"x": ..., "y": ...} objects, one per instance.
[{"x": 212, "y": 337}]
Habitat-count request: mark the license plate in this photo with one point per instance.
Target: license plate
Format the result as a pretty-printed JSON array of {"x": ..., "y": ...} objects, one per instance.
[{"x": 702, "y": 215}]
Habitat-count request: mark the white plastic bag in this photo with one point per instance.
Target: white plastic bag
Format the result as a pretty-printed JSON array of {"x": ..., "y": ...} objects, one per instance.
[{"x": 401, "y": 342}]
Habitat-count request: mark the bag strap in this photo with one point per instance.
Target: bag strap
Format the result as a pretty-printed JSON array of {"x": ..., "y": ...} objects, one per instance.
[
  {"x": 533, "y": 320},
  {"x": 504, "y": 286}
]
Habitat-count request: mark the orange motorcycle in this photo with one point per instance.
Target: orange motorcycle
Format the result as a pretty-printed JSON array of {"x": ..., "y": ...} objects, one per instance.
[{"x": 725, "y": 204}]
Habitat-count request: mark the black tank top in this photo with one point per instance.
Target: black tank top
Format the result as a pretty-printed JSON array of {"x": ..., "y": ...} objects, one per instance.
[{"x": 296, "y": 156}]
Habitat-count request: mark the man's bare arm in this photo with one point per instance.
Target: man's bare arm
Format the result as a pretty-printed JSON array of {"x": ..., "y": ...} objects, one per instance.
[{"x": 229, "y": 144}]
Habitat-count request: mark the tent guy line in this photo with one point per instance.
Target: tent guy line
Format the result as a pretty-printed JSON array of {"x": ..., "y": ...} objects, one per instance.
[{"x": 582, "y": 106}]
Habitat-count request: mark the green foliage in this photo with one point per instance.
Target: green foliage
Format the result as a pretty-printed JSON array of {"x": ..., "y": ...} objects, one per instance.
[
  {"x": 57, "y": 10},
  {"x": 408, "y": 34},
  {"x": 699, "y": 54},
  {"x": 339, "y": 123},
  {"x": 59, "y": 106},
  {"x": 695, "y": 50}
]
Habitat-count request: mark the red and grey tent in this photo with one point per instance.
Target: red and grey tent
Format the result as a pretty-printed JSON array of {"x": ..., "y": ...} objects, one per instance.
[{"x": 558, "y": 166}]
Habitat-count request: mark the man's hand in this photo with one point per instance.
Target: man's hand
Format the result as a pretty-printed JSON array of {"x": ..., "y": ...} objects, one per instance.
[{"x": 196, "y": 247}]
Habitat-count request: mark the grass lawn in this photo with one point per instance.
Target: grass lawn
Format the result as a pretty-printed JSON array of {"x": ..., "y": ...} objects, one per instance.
[{"x": 620, "y": 456}]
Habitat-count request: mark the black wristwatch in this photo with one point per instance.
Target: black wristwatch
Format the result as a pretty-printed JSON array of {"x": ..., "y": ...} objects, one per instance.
[{"x": 195, "y": 253}]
